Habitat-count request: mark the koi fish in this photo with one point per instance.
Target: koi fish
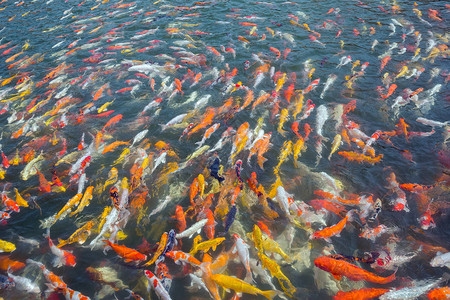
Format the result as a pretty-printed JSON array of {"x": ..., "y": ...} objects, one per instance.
[
  {"x": 242, "y": 249},
  {"x": 128, "y": 254},
  {"x": 113, "y": 146},
  {"x": 276, "y": 52},
  {"x": 6, "y": 246},
  {"x": 336, "y": 229},
  {"x": 156, "y": 284},
  {"x": 112, "y": 121},
  {"x": 402, "y": 127},
  {"x": 240, "y": 286},
  {"x": 358, "y": 157},
  {"x": 339, "y": 268},
  {"x": 79, "y": 236},
  {"x": 312, "y": 86},
  {"x": 99, "y": 93},
  {"x": 337, "y": 141},
  {"x": 390, "y": 91},
  {"x": 275, "y": 271},
  {"x": 362, "y": 294},
  {"x": 206, "y": 245},
  {"x": 55, "y": 281},
  {"x": 180, "y": 218},
  {"x": 207, "y": 134},
  {"x": 179, "y": 257},
  {"x": 63, "y": 258}
]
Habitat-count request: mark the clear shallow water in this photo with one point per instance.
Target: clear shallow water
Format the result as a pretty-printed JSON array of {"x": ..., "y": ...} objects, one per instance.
[{"x": 47, "y": 24}]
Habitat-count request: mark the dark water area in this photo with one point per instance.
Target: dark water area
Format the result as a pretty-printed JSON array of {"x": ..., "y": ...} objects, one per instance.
[{"x": 86, "y": 74}]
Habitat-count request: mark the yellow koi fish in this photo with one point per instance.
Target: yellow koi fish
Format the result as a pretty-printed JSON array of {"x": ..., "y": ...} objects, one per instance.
[
  {"x": 240, "y": 286},
  {"x": 206, "y": 245},
  {"x": 6, "y": 246},
  {"x": 79, "y": 236}
]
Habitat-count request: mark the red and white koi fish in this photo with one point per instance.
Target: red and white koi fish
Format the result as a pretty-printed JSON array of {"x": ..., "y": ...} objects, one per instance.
[
  {"x": 156, "y": 285},
  {"x": 63, "y": 258}
]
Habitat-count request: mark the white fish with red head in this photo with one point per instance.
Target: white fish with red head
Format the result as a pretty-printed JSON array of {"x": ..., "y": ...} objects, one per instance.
[
  {"x": 241, "y": 248},
  {"x": 344, "y": 60},
  {"x": 155, "y": 284}
]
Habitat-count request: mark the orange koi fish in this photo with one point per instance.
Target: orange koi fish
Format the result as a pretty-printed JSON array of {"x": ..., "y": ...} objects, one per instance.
[
  {"x": 249, "y": 97},
  {"x": 328, "y": 232},
  {"x": 178, "y": 85},
  {"x": 206, "y": 120},
  {"x": 5, "y": 161},
  {"x": 362, "y": 294},
  {"x": 206, "y": 276},
  {"x": 127, "y": 253},
  {"x": 390, "y": 91},
  {"x": 264, "y": 229},
  {"x": 44, "y": 185},
  {"x": 335, "y": 208},
  {"x": 126, "y": 89},
  {"x": 339, "y": 268},
  {"x": 210, "y": 226},
  {"x": 213, "y": 50},
  {"x": 193, "y": 190},
  {"x": 415, "y": 188},
  {"x": 289, "y": 92},
  {"x": 384, "y": 61},
  {"x": 402, "y": 127},
  {"x": 260, "y": 100},
  {"x": 99, "y": 92},
  {"x": 113, "y": 146},
  {"x": 180, "y": 218},
  {"x": 358, "y": 157},
  {"x": 247, "y": 24},
  {"x": 112, "y": 121},
  {"x": 286, "y": 52},
  {"x": 442, "y": 293},
  {"x": 275, "y": 51},
  {"x": 12, "y": 265},
  {"x": 333, "y": 197}
]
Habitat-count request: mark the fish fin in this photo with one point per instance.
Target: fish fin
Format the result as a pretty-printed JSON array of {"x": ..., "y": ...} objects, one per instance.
[
  {"x": 58, "y": 261},
  {"x": 269, "y": 294},
  {"x": 249, "y": 278},
  {"x": 51, "y": 286},
  {"x": 234, "y": 250},
  {"x": 337, "y": 277}
]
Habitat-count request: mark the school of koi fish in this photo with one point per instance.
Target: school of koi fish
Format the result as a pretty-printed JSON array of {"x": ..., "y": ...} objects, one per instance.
[{"x": 224, "y": 150}]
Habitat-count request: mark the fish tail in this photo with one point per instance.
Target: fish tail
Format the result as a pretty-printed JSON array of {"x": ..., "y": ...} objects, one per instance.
[
  {"x": 248, "y": 277},
  {"x": 269, "y": 294},
  {"x": 61, "y": 243},
  {"x": 387, "y": 279}
]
